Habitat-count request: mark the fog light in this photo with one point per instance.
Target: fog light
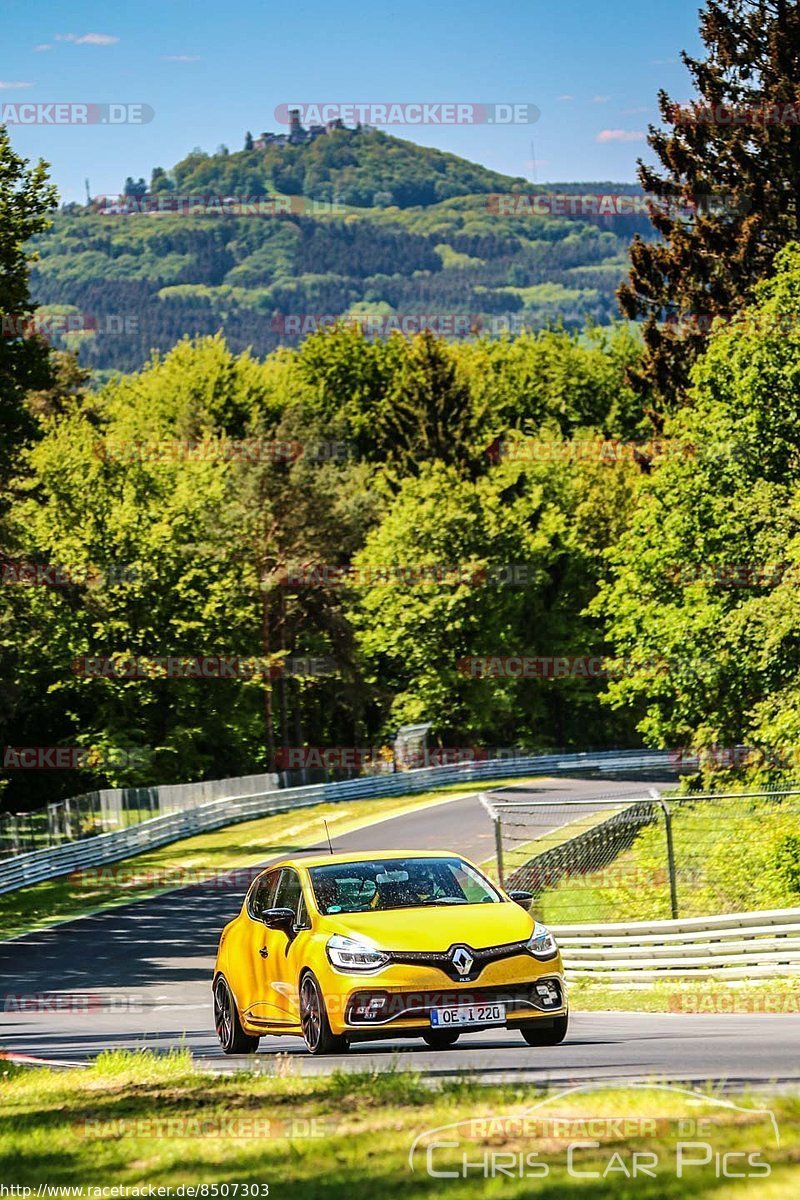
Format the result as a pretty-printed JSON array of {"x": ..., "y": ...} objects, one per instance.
[
  {"x": 368, "y": 1007},
  {"x": 548, "y": 993}
]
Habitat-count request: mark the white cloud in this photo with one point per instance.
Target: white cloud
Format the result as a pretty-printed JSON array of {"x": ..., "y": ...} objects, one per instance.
[
  {"x": 567, "y": 97},
  {"x": 180, "y": 57},
  {"x": 620, "y": 135},
  {"x": 87, "y": 39},
  {"x": 41, "y": 47},
  {"x": 600, "y": 99},
  {"x": 8, "y": 83}
]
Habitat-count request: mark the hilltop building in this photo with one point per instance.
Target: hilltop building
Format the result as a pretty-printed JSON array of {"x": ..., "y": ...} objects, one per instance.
[{"x": 297, "y": 135}]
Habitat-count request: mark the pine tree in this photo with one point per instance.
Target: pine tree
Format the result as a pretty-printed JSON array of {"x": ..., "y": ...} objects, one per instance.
[
  {"x": 248, "y": 140},
  {"x": 429, "y": 412},
  {"x": 26, "y": 196},
  {"x": 728, "y": 197}
]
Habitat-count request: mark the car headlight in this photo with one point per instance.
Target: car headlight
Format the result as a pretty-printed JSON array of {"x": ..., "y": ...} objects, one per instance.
[
  {"x": 349, "y": 955},
  {"x": 541, "y": 943}
]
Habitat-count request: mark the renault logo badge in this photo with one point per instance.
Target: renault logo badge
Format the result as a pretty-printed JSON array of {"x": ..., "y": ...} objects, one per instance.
[{"x": 462, "y": 960}]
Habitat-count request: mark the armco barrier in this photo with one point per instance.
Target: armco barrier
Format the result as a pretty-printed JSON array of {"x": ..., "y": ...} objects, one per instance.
[
  {"x": 38, "y": 865},
  {"x": 111, "y": 809},
  {"x": 739, "y": 946}
]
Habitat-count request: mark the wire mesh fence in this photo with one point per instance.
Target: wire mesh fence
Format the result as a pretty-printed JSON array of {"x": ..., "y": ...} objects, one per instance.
[
  {"x": 112, "y": 809},
  {"x": 651, "y": 856}
]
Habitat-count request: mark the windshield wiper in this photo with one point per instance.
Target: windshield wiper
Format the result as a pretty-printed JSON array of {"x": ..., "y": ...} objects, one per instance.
[{"x": 443, "y": 900}]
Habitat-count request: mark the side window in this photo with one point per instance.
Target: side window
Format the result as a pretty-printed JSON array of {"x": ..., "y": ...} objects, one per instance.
[
  {"x": 289, "y": 891},
  {"x": 302, "y": 914},
  {"x": 262, "y": 895}
]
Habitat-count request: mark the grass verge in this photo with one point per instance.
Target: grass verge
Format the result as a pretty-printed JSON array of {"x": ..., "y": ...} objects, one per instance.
[
  {"x": 688, "y": 996},
  {"x": 517, "y": 855},
  {"x": 732, "y": 855},
  {"x": 191, "y": 859},
  {"x": 139, "y": 1120}
]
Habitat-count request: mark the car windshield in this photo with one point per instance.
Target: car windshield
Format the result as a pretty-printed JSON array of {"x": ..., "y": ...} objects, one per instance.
[{"x": 383, "y": 884}]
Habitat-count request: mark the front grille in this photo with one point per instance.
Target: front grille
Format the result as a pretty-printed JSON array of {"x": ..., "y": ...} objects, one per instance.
[
  {"x": 518, "y": 998},
  {"x": 443, "y": 959}
]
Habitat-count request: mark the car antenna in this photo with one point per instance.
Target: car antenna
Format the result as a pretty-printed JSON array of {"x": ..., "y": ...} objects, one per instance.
[{"x": 327, "y": 834}]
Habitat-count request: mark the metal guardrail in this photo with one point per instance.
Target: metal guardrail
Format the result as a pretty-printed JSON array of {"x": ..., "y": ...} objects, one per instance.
[
  {"x": 35, "y": 866},
  {"x": 111, "y": 809},
  {"x": 737, "y": 946}
]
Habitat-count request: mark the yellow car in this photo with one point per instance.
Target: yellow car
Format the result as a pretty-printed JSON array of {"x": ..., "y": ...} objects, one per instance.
[{"x": 351, "y": 947}]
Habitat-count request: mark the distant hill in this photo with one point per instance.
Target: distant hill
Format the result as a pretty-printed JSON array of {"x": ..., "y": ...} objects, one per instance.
[
  {"x": 360, "y": 167},
  {"x": 274, "y": 241}
]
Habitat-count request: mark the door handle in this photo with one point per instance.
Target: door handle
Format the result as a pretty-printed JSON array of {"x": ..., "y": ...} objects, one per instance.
[{"x": 264, "y": 952}]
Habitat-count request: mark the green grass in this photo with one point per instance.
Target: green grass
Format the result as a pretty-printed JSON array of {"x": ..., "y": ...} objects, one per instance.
[
  {"x": 731, "y": 856},
  {"x": 180, "y": 863},
  {"x": 688, "y": 996},
  {"x": 139, "y": 1119}
]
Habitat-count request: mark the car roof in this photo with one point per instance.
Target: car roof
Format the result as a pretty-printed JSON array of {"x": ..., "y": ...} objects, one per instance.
[{"x": 327, "y": 859}]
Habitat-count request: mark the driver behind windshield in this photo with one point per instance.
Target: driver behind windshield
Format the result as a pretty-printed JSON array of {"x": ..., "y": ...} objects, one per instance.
[{"x": 364, "y": 887}]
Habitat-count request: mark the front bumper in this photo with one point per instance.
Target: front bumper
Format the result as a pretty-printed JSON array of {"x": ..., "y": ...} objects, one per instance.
[
  {"x": 400, "y": 998},
  {"x": 373, "y": 1008}
]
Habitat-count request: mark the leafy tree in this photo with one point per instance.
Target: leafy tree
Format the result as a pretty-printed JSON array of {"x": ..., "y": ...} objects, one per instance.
[
  {"x": 160, "y": 181},
  {"x": 706, "y": 577},
  {"x": 248, "y": 140},
  {"x": 206, "y": 542},
  {"x": 733, "y": 160},
  {"x": 163, "y": 500},
  {"x": 26, "y": 198},
  {"x": 135, "y": 187},
  {"x": 518, "y": 551}
]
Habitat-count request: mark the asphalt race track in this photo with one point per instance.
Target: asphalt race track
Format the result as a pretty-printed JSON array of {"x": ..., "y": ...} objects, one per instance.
[{"x": 140, "y": 975}]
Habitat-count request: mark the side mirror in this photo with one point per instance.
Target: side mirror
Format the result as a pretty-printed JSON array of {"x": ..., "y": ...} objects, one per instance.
[
  {"x": 523, "y": 899},
  {"x": 279, "y": 918}
]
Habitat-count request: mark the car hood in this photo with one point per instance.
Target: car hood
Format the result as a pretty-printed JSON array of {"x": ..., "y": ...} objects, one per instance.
[{"x": 435, "y": 928}]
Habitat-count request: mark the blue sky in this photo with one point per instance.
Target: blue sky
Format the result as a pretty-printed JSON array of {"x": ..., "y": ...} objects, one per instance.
[{"x": 211, "y": 71}]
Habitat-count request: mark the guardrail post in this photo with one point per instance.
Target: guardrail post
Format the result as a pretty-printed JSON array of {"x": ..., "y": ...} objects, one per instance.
[
  {"x": 673, "y": 886},
  {"x": 498, "y": 843}
]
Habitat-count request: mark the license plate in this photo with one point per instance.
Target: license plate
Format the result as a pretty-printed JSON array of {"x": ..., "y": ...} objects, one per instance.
[{"x": 468, "y": 1014}]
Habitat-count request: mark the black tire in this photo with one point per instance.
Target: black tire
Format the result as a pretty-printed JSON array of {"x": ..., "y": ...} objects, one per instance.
[
  {"x": 227, "y": 1023},
  {"x": 544, "y": 1034},
  {"x": 317, "y": 1034},
  {"x": 441, "y": 1039}
]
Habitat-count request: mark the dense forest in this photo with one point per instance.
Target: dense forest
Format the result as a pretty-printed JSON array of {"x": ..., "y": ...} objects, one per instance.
[
  {"x": 580, "y": 535},
  {"x": 355, "y": 223}
]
